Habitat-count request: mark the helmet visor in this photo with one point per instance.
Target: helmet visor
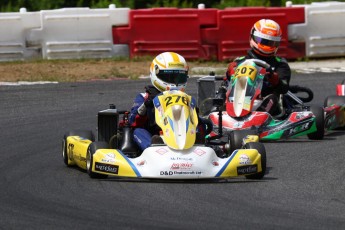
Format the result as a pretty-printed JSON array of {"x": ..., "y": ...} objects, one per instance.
[
  {"x": 176, "y": 77},
  {"x": 265, "y": 42}
]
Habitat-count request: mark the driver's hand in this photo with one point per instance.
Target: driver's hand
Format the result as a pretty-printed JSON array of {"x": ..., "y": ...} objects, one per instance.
[
  {"x": 272, "y": 78},
  {"x": 148, "y": 102}
]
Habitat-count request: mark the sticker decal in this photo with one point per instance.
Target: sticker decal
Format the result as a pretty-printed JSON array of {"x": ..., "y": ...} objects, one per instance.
[
  {"x": 108, "y": 168},
  {"x": 244, "y": 159},
  {"x": 109, "y": 158},
  {"x": 247, "y": 169}
]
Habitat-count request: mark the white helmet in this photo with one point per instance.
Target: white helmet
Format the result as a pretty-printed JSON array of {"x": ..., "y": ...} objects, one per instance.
[{"x": 169, "y": 70}]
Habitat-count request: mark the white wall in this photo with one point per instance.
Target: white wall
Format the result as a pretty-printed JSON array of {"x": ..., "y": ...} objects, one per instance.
[{"x": 323, "y": 30}]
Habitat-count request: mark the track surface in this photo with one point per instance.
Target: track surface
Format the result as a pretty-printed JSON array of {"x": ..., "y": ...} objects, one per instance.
[{"x": 304, "y": 188}]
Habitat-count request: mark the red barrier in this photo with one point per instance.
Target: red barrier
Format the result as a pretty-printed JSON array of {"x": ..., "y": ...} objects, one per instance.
[
  {"x": 231, "y": 35},
  {"x": 152, "y": 31}
]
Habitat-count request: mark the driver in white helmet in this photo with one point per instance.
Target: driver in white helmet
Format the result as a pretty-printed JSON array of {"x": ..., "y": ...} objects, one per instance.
[{"x": 168, "y": 70}]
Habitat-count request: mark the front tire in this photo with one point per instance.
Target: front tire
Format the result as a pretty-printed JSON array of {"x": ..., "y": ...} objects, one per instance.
[
  {"x": 262, "y": 150},
  {"x": 94, "y": 146},
  {"x": 87, "y": 134},
  {"x": 320, "y": 123}
]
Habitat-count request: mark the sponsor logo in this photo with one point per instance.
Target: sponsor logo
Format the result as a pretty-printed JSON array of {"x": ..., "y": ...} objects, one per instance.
[
  {"x": 199, "y": 152},
  {"x": 181, "y": 166},
  {"x": 187, "y": 173},
  {"x": 166, "y": 173},
  {"x": 171, "y": 173},
  {"x": 244, "y": 160},
  {"x": 300, "y": 128},
  {"x": 247, "y": 169},
  {"x": 175, "y": 64},
  {"x": 109, "y": 158},
  {"x": 161, "y": 151},
  {"x": 181, "y": 158},
  {"x": 113, "y": 169},
  {"x": 137, "y": 138}
]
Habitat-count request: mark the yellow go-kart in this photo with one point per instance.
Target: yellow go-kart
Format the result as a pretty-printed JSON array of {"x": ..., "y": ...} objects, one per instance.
[{"x": 180, "y": 154}]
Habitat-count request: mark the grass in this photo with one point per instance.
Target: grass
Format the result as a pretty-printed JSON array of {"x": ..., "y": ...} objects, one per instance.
[{"x": 87, "y": 69}]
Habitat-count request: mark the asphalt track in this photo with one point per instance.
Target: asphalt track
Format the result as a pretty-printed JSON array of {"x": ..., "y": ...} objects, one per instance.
[{"x": 303, "y": 189}]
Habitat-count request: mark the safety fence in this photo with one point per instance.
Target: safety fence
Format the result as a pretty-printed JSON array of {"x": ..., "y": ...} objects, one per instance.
[{"x": 314, "y": 30}]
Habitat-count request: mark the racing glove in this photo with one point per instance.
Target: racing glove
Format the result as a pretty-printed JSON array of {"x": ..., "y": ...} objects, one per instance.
[
  {"x": 231, "y": 70},
  {"x": 151, "y": 93},
  {"x": 148, "y": 103},
  {"x": 221, "y": 93},
  {"x": 272, "y": 78}
]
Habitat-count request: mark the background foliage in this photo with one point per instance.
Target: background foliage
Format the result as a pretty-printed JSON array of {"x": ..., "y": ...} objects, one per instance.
[{"x": 37, "y": 5}]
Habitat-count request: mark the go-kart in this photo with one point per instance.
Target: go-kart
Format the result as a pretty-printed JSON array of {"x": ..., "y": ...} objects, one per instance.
[
  {"x": 334, "y": 107},
  {"x": 180, "y": 153},
  {"x": 242, "y": 100}
]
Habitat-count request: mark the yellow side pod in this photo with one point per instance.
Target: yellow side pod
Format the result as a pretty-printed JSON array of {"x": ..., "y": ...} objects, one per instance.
[
  {"x": 76, "y": 150},
  {"x": 249, "y": 158},
  {"x": 111, "y": 162}
]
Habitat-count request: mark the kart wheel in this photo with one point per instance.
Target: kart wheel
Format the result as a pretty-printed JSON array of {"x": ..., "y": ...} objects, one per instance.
[
  {"x": 82, "y": 133},
  {"x": 64, "y": 152},
  {"x": 236, "y": 138},
  {"x": 320, "y": 123},
  {"x": 94, "y": 146},
  {"x": 261, "y": 149}
]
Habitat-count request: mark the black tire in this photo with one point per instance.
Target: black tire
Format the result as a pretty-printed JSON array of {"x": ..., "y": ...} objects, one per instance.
[
  {"x": 320, "y": 123},
  {"x": 236, "y": 138},
  {"x": 64, "y": 151},
  {"x": 262, "y": 150},
  {"x": 89, "y": 158},
  {"x": 331, "y": 100},
  {"x": 82, "y": 133}
]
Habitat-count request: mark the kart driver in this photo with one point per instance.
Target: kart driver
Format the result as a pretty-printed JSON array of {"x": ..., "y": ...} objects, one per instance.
[
  {"x": 265, "y": 37},
  {"x": 168, "y": 70}
]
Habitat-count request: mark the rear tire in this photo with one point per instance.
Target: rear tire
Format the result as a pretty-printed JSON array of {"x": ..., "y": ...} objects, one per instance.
[
  {"x": 87, "y": 134},
  {"x": 261, "y": 149},
  {"x": 94, "y": 146},
  {"x": 320, "y": 123}
]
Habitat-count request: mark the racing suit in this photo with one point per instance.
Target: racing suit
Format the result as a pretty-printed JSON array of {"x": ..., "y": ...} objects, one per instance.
[{"x": 142, "y": 117}]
